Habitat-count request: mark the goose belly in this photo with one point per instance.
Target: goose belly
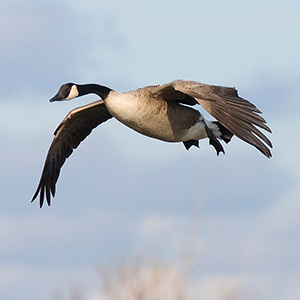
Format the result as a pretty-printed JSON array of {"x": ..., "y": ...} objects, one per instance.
[{"x": 155, "y": 118}]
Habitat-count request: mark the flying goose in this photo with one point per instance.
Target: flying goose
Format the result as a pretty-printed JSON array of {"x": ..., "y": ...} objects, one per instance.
[{"x": 160, "y": 111}]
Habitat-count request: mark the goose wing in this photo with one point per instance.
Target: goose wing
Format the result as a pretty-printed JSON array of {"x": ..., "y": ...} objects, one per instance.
[
  {"x": 75, "y": 127},
  {"x": 235, "y": 113}
]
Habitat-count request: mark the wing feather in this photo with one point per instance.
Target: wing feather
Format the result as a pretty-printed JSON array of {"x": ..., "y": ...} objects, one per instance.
[
  {"x": 235, "y": 113},
  {"x": 75, "y": 127}
]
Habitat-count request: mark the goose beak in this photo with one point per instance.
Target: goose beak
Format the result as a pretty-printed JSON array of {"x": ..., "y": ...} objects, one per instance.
[{"x": 57, "y": 97}]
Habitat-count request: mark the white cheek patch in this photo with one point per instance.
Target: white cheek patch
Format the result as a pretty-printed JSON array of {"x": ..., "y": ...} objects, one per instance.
[{"x": 73, "y": 93}]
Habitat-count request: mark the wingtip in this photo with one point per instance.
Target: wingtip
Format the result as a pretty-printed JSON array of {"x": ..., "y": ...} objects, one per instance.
[
  {"x": 42, "y": 196},
  {"x": 269, "y": 154},
  {"x": 35, "y": 194},
  {"x": 265, "y": 151}
]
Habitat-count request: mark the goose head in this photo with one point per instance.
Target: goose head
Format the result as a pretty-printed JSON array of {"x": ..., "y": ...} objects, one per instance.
[{"x": 67, "y": 91}]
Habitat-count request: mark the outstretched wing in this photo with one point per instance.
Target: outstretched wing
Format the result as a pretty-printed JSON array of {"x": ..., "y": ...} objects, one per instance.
[
  {"x": 235, "y": 113},
  {"x": 75, "y": 127}
]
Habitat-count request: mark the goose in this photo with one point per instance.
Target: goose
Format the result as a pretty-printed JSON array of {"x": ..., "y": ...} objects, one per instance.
[{"x": 162, "y": 112}]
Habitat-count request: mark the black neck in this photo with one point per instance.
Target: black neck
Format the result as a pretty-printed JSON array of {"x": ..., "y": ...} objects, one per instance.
[{"x": 92, "y": 88}]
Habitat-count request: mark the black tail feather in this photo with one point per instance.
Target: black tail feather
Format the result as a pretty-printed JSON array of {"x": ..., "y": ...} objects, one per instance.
[
  {"x": 226, "y": 135},
  {"x": 217, "y": 145},
  {"x": 213, "y": 140}
]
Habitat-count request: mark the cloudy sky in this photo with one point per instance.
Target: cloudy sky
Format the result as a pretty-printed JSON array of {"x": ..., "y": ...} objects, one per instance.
[{"x": 122, "y": 195}]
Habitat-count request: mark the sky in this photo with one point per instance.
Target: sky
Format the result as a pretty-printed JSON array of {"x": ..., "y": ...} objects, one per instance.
[{"x": 123, "y": 196}]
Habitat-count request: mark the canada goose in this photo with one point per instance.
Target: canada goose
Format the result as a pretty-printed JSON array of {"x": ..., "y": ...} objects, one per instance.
[{"x": 160, "y": 111}]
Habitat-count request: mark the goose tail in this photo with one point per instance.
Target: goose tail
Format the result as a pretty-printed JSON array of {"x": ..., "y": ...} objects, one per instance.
[{"x": 226, "y": 135}]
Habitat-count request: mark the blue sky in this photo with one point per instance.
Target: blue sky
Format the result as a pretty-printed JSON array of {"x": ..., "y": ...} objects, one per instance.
[{"x": 119, "y": 190}]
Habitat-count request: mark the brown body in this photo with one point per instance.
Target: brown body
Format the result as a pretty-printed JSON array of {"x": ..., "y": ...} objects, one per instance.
[{"x": 152, "y": 115}]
